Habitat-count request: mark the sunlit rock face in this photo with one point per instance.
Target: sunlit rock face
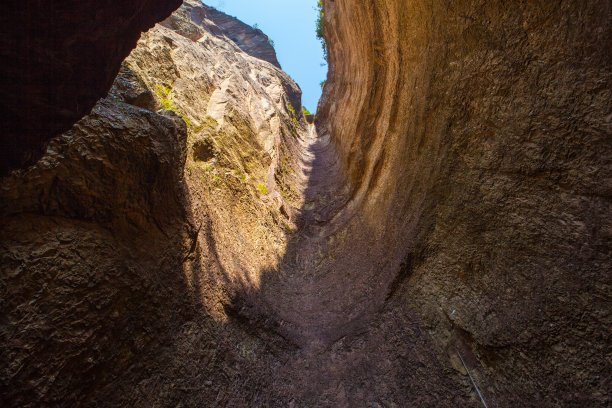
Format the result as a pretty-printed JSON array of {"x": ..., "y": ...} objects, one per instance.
[
  {"x": 123, "y": 245},
  {"x": 440, "y": 238},
  {"x": 59, "y": 59},
  {"x": 194, "y": 19},
  {"x": 476, "y": 136}
]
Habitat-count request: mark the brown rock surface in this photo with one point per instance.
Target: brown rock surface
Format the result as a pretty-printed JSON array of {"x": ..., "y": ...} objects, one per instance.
[
  {"x": 78, "y": 233},
  {"x": 123, "y": 246},
  {"x": 440, "y": 238},
  {"x": 476, "y": 137},
  {"x": 194, "y": 19}
]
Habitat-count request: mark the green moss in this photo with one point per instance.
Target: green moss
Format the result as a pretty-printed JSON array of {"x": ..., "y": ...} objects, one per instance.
[
  {"x": 262, "y": 188},
  {"x": 163, "y": 94},
  {"x": 207, "y": 122},
  {"x": 291, "y": 109},
  {"x": 184, "y": 117},
  {"x": 162, "y": 91},
  {"x": 210, "y": 121},
  {"x": 240, "y": 175},
  {"x": 208, "y": 166},
  {"x": 293, "y": 115},
  {"x": 305, "y": 111}
]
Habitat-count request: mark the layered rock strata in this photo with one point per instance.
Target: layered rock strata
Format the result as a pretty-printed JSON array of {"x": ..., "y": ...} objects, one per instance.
[{"x": 476, "y": 138}]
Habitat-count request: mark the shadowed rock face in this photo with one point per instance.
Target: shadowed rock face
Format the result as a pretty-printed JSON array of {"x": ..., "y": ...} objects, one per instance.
[
  {"x": 440, "y": 238},
  {"x": 123, "y": 245},
  {"x": 476, "y": 135},
  {"x": 86, "y": 259},
  {"x": 59, "y": 58}
]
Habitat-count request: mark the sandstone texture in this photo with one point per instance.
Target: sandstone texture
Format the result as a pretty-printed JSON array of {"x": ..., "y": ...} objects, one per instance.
[
  {"x": 439, "y": 237},
  {"x": 124, "y": 247},
  {"x": 59, "y": 58},
  {"x": 476, "y": 137}
]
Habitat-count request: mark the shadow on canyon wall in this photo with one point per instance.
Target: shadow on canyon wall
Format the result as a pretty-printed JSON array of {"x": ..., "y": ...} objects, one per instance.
[{"x": 114, "y": 292}]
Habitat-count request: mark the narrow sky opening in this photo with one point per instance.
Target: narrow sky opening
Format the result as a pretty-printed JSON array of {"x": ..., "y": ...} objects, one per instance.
[{"x": 291, "y": 25}]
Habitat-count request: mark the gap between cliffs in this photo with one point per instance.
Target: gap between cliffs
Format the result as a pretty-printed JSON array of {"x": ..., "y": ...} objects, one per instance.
[{"x": 439, "y": 237}]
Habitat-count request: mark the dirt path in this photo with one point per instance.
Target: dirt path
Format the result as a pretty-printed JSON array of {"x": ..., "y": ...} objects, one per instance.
[
  {"x": 308, "y": 296},
  {"x": 354, "y": 348}
]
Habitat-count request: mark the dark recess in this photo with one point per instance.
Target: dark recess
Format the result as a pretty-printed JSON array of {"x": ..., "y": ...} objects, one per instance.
[{"x": 59, "y": 58}]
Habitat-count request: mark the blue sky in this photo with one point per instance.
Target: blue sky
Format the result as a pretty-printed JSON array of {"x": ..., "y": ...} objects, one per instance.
[{"x": 291, "y": 25}]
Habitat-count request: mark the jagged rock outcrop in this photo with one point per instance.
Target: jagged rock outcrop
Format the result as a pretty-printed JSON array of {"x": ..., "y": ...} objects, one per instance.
[
  {"x": 194, "y": 19},
  {"x": 122, "y": 245},
  {"x": 59, "y": 59},
  {"x": 82, "y": 290}
]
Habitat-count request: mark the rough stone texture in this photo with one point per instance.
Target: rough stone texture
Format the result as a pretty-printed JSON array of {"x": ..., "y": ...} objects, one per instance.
[
  {"x": 476, "y": 135},
  {"x": 441, "y": 236},
  {"x": 194, "y": 19},
  {"x": 88, "y": 269},
  {"x": 119, "y": 250},
  {"x": 59, "y": 58}
]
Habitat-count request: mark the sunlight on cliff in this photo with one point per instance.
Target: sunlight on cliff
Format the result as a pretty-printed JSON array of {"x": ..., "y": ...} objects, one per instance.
[{"x": 292, "y": 29}]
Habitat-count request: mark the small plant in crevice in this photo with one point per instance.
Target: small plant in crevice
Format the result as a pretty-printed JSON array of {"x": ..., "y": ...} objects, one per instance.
[
  {"x": 291, "y": 109},
  {"x": 163, "y": 94},
  {"x": 240, "y": 175},
  {"x": 293, "y": 115},
  {"x": 261, "y": 187}
]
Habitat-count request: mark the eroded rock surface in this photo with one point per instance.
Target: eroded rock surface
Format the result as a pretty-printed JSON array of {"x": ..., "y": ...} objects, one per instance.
[
  {"x": 193, "y": 20},
  {"x": 440, "y": 238},
  {"x": 476, "y": 137},
  {"x": 122, "y": 248}
]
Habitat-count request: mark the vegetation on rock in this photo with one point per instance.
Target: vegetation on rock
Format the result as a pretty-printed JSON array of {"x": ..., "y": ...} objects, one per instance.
[
  {"x": 439, "y": 238},
  {"x": 320, "y": 28}
]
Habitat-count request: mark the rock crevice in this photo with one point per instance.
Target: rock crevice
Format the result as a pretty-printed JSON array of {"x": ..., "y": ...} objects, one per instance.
[{"x": 439, "y": 237}]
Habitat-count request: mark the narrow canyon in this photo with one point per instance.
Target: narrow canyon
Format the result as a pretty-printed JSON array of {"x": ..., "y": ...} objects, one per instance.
[{"x": 175, "y": 232}]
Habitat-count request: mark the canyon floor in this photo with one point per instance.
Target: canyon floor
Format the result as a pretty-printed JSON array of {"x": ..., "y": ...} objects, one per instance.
[{"x": 346, "y": 354}]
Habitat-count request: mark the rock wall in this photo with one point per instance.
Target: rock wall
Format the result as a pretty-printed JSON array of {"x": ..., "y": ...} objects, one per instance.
[
  {"x": 476, "y": 136},
  {"x": 123, "y": 248},
  {"x": 251, "y": 40},
  {"x": 441, "y": 238},
  {"x": 59, "y": 60},
  {"x": 87, "y": 267}
]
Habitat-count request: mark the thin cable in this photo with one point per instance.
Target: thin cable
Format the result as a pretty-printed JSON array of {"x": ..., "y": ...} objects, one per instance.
[{"x": 472, "y": 380}]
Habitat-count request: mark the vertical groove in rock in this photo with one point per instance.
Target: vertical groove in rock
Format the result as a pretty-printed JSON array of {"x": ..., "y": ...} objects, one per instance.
[
  {"x": 482, "y": 129},
  {"x": 441, "y": 237}
]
